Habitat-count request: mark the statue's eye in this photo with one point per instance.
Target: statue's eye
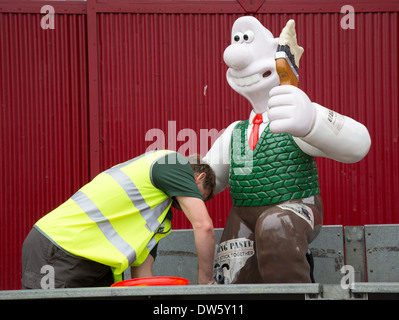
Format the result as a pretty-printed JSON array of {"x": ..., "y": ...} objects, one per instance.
[
  {"x": 248, "y": 36},
  {"x": 238, "y": 37}
]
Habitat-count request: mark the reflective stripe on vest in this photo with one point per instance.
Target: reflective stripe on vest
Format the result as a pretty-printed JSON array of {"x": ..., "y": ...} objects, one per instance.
[
  {"x": 130, "y": 230},
  {"x": 104, "y": 225},
  {"x": 149, "y": 215}
]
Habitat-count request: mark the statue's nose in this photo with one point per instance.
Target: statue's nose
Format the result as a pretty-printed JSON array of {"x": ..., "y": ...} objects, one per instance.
[{"x": 236, "y": 56}]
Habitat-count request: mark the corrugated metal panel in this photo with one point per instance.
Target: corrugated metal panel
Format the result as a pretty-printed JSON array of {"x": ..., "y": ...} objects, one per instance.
[{"x": 43, "y": 125}]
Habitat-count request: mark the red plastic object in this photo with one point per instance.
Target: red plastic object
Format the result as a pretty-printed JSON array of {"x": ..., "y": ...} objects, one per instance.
[{"x": 153, "y": 281}]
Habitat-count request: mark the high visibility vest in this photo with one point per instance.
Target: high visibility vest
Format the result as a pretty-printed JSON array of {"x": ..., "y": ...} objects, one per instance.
[{"x": 115, "y": 219}]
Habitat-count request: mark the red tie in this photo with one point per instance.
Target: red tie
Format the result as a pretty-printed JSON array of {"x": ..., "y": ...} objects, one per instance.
[{"x": 254, "y": 137}]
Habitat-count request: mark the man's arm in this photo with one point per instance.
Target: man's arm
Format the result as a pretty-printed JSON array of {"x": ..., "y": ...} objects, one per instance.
[{"x": 204, "y": 235}]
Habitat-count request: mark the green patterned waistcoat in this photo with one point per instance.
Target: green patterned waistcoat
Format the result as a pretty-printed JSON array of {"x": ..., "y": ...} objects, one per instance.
[{"x": 276, "y": 170}]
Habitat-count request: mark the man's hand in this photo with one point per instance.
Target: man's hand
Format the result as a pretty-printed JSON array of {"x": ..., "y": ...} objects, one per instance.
[
  {"x": 204, "y": 235},
  {"x": 290, "y": 111}
]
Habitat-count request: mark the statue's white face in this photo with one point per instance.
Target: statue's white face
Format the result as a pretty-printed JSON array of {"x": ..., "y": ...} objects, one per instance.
[{"x": 250, "y": 58}]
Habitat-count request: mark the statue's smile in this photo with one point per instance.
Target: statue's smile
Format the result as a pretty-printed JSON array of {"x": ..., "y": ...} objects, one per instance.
[{"x": 250, "y": 80}]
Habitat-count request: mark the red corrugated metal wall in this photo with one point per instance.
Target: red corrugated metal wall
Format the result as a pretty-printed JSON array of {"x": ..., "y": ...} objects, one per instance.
[
  {"x": 43, "y": 125},
  {"x": 92, "y": 92}
]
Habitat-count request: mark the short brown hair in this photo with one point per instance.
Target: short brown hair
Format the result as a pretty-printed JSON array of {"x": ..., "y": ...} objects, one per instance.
[{"x": 200, "y": 166}]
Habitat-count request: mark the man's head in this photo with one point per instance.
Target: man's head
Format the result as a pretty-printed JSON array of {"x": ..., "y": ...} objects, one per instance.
[{"x": 204, "y": 176}]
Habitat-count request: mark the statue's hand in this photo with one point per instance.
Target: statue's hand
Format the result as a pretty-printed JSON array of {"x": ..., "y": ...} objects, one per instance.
[{"x": 290, "y": 111}]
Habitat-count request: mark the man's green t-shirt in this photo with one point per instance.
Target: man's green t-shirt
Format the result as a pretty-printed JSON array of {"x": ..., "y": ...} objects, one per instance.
[{"x": 173, "y": 175}]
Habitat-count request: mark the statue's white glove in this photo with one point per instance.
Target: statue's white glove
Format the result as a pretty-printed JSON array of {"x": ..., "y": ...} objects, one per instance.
[{"x": 290, "y": 111}]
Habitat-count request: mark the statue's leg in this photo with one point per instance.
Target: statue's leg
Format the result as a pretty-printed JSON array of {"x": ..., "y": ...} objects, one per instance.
[
  {"x": 236, "y": 261},
  {"x": 282, "y": 235}
]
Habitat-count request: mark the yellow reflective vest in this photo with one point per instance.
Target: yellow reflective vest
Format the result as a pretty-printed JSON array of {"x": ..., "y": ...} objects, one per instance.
[{"x": 115, "y": 219}]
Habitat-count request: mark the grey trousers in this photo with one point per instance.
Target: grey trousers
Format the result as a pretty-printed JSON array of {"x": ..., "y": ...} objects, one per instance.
[{"x": 44, "y": 265}]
